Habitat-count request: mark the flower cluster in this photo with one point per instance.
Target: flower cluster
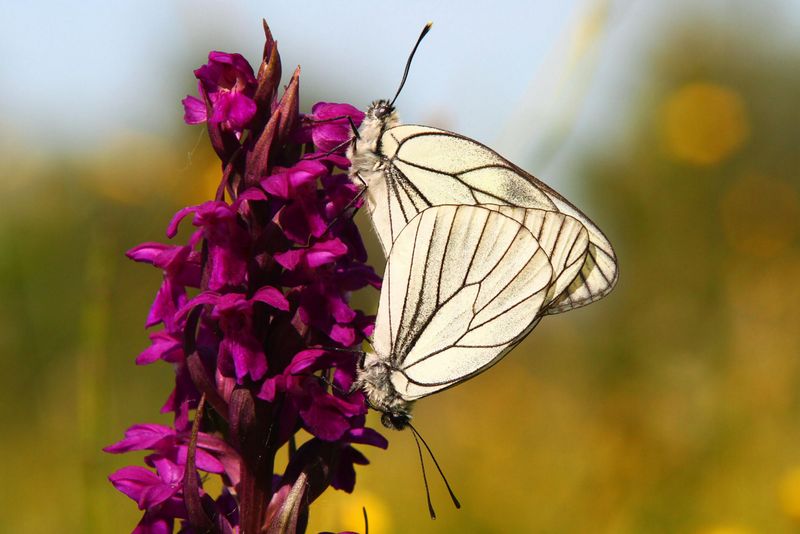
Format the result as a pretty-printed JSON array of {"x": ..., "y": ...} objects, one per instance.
[{"x": 254, "y": 316}]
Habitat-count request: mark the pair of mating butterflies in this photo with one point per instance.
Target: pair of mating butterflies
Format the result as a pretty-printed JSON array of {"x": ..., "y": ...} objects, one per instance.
[{"x": 478, "y": 252}]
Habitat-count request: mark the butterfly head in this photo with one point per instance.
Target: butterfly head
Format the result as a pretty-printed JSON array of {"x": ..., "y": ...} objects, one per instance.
[
  {"x": 397, "y": 421},
  {"x": 382, "y": 111}
]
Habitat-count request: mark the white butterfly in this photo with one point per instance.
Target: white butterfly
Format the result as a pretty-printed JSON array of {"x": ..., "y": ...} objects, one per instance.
[
  {"x": 462, "y": 286},
  {"x": 478, "y": 251},
  {"x": 407, "y": 168}
]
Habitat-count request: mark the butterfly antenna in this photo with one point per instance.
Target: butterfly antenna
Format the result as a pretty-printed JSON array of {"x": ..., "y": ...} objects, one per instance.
[
  {"x": 366, "y": 521},
  {"x": 456, "y": 503},
  {"x": 424, "y": 477},
  {"x": 425, "y": 31}
]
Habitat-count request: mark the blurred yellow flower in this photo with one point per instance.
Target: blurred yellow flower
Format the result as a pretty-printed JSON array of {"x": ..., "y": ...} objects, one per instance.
[
  {"x": 760, "y": 215},
  {"x": 789, "y": 493},
  {"x": 704, "y": 123}
]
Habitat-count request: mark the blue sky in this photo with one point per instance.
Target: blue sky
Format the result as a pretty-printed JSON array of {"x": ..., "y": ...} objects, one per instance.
[
  {"x": 528, "y": 78},
  {"x": 77, "y": 72}
]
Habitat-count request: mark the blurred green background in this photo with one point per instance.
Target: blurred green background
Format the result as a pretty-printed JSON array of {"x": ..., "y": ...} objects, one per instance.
[{"x": 671, "y": 406}]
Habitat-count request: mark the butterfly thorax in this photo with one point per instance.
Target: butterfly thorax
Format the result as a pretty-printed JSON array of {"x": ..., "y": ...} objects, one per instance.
[
  {"x": 374, "y": 379},
  {"x": 365, "y": 154}
]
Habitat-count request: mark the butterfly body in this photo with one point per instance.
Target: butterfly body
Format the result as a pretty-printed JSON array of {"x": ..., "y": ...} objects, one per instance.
[{"x": 368, "y": 162}]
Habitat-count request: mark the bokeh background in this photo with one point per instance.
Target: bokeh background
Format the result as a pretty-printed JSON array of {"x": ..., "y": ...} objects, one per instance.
[{"x": 671, "y": 406}]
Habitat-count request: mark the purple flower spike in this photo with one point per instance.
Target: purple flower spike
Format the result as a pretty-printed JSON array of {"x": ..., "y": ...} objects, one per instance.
[{"x": 243, "y": 308}]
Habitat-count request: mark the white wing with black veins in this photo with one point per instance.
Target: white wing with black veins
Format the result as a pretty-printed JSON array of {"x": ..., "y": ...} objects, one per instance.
[
  {"x": 430, "y": 167},
  {"x": 463, "y": 285}
]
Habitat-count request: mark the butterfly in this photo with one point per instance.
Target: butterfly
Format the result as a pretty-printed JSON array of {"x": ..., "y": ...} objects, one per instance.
[
  {"x": 463, "y": 285},
  {"x": 406, "y": 168},
  {"x": 478, "y": 251}
]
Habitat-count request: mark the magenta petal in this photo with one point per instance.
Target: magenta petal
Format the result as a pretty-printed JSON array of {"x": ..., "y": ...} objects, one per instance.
[
  {"x": 277, "y": 185},
  {"x": 172, "y": 228},
  {"x": 240, "y": 65},
  {"x": 290, "y": 259},
  {"x": 306, "y": 172},
  {"x": 229, "y": 267},
  {"x": 329, "y": 134},
  {"x": 321, "y": 253},
  {"x": 345, "y": 335},
  {"x": 367, "y": 436},
  {"x": 269, "y": 389},
  {"x": 273, "y": 297},
  {"x": 234, "y": 108},
  {"x": 194, "y": 110},
  {"x": 324, "y": 419},
  {"x": 147, "y": 252},
  {"x": 253, "y": 193},
  {"x": 163, "y": 346},
  {"x": 325, "y": 252},
  {"x": 149, "y": 355},
  {"x": 154, "y": 523},
  {"x": 245, "y": 351},
  {"x": 302, "y": 219},
  {"x": 223, "y": 453},
  {"x": 368, "y": 330},
  {"x": 294, "y": 222},
  {"x": 340, "y": 310},
  {"x": 337, "y": 160},
  {"x": 206, "y": 297},
  {"x": 208, "y": 463},
  {"x": 139, "y": 437},
  {"x": 327, "y": 110},
  {"x": 317, "y": 225},
  {"x": 169, "y": 298},
  {"x": 142, "y": 485},
  {"x": 274, "y": 385},
  {"x": 168, "y": 471},
  {"x": 203, "y": 460},
  {"x": 345, "y": 476},
  {"x": 309, "y": 359},
  {"x": 230, "y": 304},
  {"x": 283, "y": 184}
]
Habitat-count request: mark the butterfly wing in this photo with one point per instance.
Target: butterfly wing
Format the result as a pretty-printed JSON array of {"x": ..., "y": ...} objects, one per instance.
[
  {"x": 426, "y": 166},
  {"x": 463, "y": 285},
  {"x": 563, "y": 239}
]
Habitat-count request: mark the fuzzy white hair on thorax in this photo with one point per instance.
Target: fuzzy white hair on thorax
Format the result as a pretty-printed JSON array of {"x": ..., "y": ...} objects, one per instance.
[{"x": 365, "y": 154}]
